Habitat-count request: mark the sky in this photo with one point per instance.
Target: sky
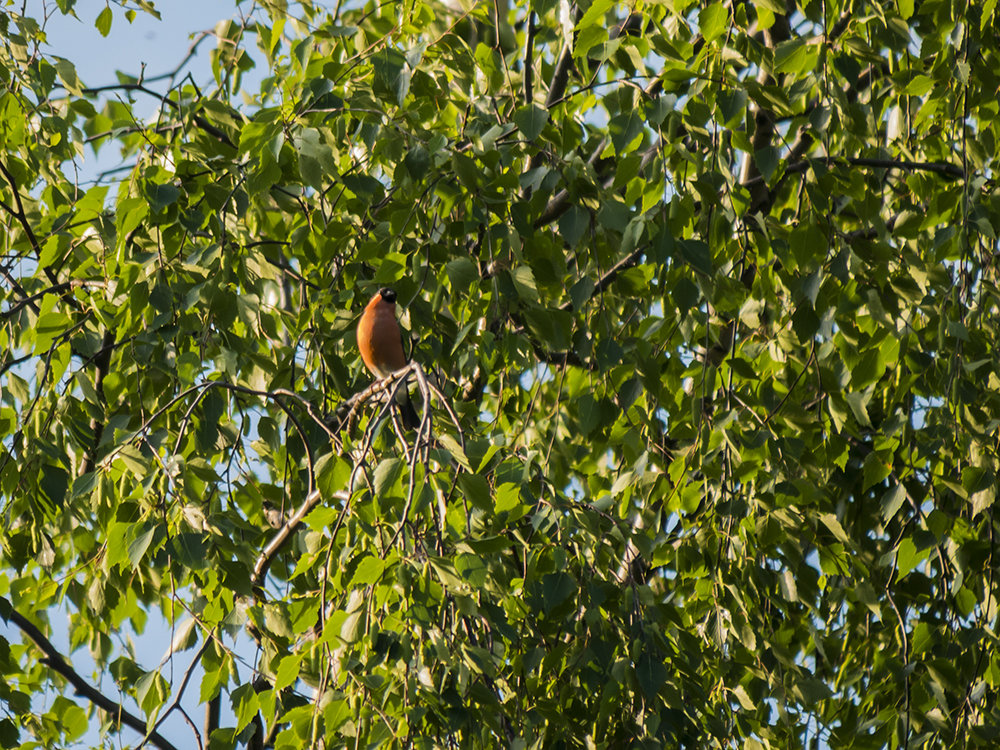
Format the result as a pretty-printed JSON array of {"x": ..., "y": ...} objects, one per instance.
[
  {"x": 160, "y": 45},
  {"x": 147, "y": 47}
]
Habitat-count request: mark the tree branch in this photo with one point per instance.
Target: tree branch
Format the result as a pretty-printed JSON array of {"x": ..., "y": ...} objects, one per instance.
[
  {"x": 54, "y": 289},
  {"x": 342, "y": 414},
  {"x": 198, "y": 119},
  {"x": 529, "y": 52},
  {"x": 185, "y": 679},
  {"x": 611, "y": 274},
  {"x": 945, "y": 169},
  {"x": 54, "y": 660},
  {"x": 560, "y": 76},
  {"x": 559, "y": 203},
  {"x": 213, "y": 713},
  {"x": 266, "y": 557},
  {"x": 19, "y": 213},
  {"x": 5, "y": 272},
  {"x": 22, "y": 219}
]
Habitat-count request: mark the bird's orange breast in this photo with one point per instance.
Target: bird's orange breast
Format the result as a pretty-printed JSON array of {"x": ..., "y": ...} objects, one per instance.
[{"x": 379, "y": 341}]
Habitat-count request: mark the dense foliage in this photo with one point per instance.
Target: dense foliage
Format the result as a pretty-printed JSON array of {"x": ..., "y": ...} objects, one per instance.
[{"x": 703, "y": 298}]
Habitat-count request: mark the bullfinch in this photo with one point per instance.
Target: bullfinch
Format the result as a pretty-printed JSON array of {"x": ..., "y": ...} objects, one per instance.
[{"x": 381, "y": 347}]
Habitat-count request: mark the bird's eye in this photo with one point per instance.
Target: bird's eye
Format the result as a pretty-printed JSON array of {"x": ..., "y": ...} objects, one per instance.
[{"x": 389, "y": 295}]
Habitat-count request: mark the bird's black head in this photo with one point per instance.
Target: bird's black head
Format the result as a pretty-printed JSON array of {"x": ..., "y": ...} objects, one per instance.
[{"x": 389, "y": 295}]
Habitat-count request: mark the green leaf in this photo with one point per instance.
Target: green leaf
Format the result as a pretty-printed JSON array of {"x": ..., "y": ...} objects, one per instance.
[
  {"x": 508, "y": 497},
  {"x": 789, "y": 588},
  {"x": 581, "y": 292},
  {"x": 317, "y": 165},
  {"x": 353, "y": 624},
  {"x": 830, "y": 521},
  {"x": 892, "y": 501},
  {"x": 161, "y": 196},
  {"x": 550, "y": 327},
  {"x": 530, "y": 120},
  {"x": 795, "y": 56},
  {"x": 288, "y": 671},
  {"x": 595, "y": 14},
  {"x": 150, "y": 692},
  {"x": 697, "y": 254},
  {"x": 336, "y": 714},
  {"x": 417, "y": 161},
  {"x": 651, "y": 675},
  {"x": 368, "y": 571},
  {"x": 713, "y": 20},
  {"x": 813, "y": 690},
  {"x": 476, "y": 490},
  {"x": 67, "y": 74},
  {"x": 775, "y": 6},
  {"x": 462, "y": 273},
  {"x": 137, "y": 549},
  {"x": 732, "y": 105},
  {"x": 245, "y": 704},
  {"x": 524, "y": 282},
  {"x": 48, "y": 327},
  {"x": 767, "y": 160},
  {"x": 472, "y": 569},
  {"x": 986, "y": 13},
  {"x": 859, "y": 406},
  {"x": 919, "y": 85},
  {"x": 744, "y": 698},
  {"x": 277, "y": 621},
  {"x": 908, "y": 557},
  {"x": 185, "y": 635},
  {"x": 625, "y": 128},
  {"x": 454, "y": 449},
  {"x": 387, "y": 475},
  {"x": 103, "y": 22},
  {"x": 556, "y": 589},
  {"x": 9, "y": 734},
  {"x": 876, "y": 469},
  {"x": 333, "y": 474},
  {"x": 573, "y": 224},
  {"x": 391, "y": 81}
]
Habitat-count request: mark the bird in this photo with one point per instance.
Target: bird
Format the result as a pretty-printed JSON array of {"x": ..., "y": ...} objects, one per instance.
[{"x": 381, "y": 347}]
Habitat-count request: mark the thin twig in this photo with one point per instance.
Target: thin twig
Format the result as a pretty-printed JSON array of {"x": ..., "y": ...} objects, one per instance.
[
  {"x": 611, "y": 274},
  {"x": 198, "y": 119},
  {"x": 55, "y": 289},
  {"x": 19, "y": 213},
  {"x": 180, "y": 694}
]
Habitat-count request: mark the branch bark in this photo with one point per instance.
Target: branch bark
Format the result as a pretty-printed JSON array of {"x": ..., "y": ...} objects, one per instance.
[
  {"x": 945, "y": 169},
  {"x": 529, "y": 59},
  {"x": 54, "y": 660},
  {"x": 200, "y": 121},
  {"x": 29, "y": 300},
  {"x": 290, "y": 526}
]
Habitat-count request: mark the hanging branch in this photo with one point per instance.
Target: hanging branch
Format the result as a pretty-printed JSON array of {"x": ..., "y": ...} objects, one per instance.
[
  {"x": 55, "y": 661},
  {"x": 342, "y": 417}
]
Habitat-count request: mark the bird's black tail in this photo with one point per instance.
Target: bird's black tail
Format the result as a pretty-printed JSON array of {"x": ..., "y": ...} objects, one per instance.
[{"x": 411, "y": 419}]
